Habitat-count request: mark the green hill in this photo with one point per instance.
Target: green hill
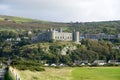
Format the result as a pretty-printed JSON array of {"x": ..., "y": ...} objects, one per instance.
[
  {"x": 108, "y": 27},
  {"x": 15, "y": 19},
  {"x": 13, "y": 23}
]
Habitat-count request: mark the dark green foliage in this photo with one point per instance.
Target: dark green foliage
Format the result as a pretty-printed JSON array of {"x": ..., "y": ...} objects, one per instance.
[
  {"x": 95, "y": 50},
  {"x": 66, "y": 60},
  {"x": 0, "y": 66},
  {"x": 55, "y": 48},
  {"x": 23, "y": 42},
  {"x": 38, "y": 69},
  {"x": 7, "y": 34},
  {"x": 8, "y": 75},
  {"x": 52, "y": 41},
  {"x": 88, "y": 50},
  {"x": 27, "y": 65},
  {"x": 108, "y": 27}
]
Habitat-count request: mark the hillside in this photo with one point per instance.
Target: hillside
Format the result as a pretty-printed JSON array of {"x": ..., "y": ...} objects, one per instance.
[
  {"x": 14, "y": 23},
  {"x": 108, "y": 27},
  {"x": 72, "y": 73}
]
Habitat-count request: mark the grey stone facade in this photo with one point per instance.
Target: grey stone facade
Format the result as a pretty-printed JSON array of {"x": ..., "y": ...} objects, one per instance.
[
  {"x": 100, "y": 36},
  {"x": 59, "y": 35}
]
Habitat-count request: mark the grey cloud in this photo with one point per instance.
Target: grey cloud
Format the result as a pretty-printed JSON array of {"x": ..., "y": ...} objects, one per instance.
[{"x": 65, "y": 10}]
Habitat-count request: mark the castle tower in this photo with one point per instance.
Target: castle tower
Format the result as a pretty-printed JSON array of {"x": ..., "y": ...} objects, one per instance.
[
  {"x": 75, "y": 36},
  {"x": 52, "y": 34}
]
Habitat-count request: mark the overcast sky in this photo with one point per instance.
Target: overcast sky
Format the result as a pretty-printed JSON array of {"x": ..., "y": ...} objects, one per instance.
[{"x": 63, "y": 10}]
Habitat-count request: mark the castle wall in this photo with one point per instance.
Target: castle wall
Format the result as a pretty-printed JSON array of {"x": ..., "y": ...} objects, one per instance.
[
  {"x": 57, "y": 35},
  {"x": 63, "y": 36},
  {"x": 100, "y": 36}
]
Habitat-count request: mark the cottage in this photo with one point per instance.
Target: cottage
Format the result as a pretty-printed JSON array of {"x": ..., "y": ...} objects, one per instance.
[
  {"x": 81, "y": 61},
  {"x": 46, "y": 65},
  {"x": 18, "y": 39},
  {"x": 61, "y": 64},
  {"x": 82, "y": 64},
  {"x": 53, "y": 65},
  {"x": 9, "y": 39},
  {"x": 29, "y": 32},
  {"x": 113, "y": 62},
  {"x": 99, "y": 62}
]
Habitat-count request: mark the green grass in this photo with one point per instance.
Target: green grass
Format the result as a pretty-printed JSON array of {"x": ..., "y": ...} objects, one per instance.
[
  {"x": 16, "y": 19},
  {"x": 76, "y": 73},
  {"x": 103, "y": 73},
  {"x": 48, "y": 74},
  {"x": 7, "y": 29}
]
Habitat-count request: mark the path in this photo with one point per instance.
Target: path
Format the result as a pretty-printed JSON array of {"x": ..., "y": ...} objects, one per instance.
[{"x": 2, "y": 73}]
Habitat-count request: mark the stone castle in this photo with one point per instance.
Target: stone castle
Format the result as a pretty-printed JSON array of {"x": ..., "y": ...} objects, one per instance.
[{"x": 59, "y": 35}]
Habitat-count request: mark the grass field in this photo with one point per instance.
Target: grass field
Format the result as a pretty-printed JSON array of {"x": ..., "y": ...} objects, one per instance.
[
  {"x": 67, "y": 73},
  {"x": 103, "y": 73},
  {"x": 49, "y": 74}
]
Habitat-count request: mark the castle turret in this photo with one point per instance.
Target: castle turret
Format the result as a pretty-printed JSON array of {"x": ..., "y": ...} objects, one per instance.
[
  {"x": 76, "y": 36},
  {"x": 52, "y": 34}
]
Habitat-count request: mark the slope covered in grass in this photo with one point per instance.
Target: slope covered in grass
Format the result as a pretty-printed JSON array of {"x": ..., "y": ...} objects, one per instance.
[
  {"x": 102, "y": 73},
  {"x": 68, "y": 73},
  {"x": 12, "y": 22}
]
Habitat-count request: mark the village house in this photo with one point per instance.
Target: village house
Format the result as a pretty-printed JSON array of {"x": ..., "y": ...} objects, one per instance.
[
  {"x": 78, "y": 62},
  {"x": 99, "y": 62},
  {"x": 113, "y": 62}
]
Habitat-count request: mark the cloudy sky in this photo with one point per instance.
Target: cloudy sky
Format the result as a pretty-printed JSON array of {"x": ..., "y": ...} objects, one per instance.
[{"x": 63, "y": 10}]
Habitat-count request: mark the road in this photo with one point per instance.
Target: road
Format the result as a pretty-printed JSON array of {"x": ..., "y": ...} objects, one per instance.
[{"x": 2, "y": 73}]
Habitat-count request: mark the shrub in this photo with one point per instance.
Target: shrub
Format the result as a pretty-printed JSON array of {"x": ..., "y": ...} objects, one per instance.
[
  {"x": 39, "y": 69},
  {"x": 0, "y": 66},
  {"x": 94, "y": 65}
]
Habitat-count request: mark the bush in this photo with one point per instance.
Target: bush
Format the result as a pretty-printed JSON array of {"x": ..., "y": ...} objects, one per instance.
[
  {"x": 27, "y": 65},
  {"x": 39, "y": 69},
  {"x": 0, "y": 66},
  {"x": 7, "y": 75},
  {"x": 58, "y": 67},
  {"x": 94, "y": 65},
  {"x": 31, "y": 68}
]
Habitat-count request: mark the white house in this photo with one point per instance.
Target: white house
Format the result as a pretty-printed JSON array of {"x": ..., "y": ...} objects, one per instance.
[
  {"x": 113, "y": 62},
  {"x": 99, "y": 62},
  {"x": 53, "y": 65}
]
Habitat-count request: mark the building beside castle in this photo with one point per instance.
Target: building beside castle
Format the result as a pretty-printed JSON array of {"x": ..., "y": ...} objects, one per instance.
[
  {"x": 99, "y": 36},
  {"x": 59, "y": 35}
]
